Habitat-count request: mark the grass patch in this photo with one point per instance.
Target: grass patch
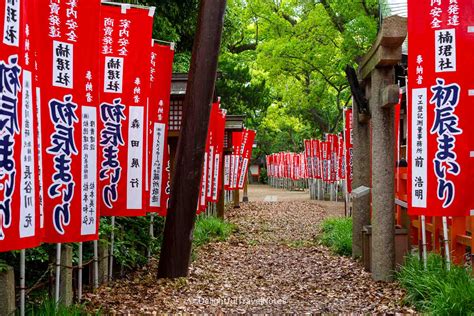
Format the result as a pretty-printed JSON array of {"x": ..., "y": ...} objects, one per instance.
[
  {"x": 208, "y": 229},
  {"x": 337, "y": 235},
  {"x": 50, "y": 308},
  {"x": 435, "y": 290}
]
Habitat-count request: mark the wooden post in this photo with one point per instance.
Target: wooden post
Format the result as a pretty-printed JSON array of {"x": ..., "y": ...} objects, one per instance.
[
  {"x": 245, "y": 198},
  {"x": 236, "y": 197},
  {"x": 177, "y": 241},
  {"x": 221, "y": 201}
]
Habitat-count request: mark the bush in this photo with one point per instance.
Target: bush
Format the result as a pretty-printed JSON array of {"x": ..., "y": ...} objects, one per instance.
[
  {"x": 209, "y": 229},
  {"x": 436, "y": 290},
  {"x": 337, "y": 235}
]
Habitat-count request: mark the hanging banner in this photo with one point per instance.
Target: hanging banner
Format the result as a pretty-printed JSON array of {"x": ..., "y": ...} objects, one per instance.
[
  {"x": 235, "y": 160},
  {"x": 316, "y": 162},
  {"x": 19, "y": 197},
  {"x": 308, "y": 157},
  {"x": 219, "y": 152},
  {"x": 341, "y": 168},
  {"x": 440, "y": 107},
  {"x": 125, "y": 41},
  {"x": 247, "y": 147},
  {"x": 69, "y": 82},
  {"x": 161, "y": 72},
  {"x": 348, "y": 147}
]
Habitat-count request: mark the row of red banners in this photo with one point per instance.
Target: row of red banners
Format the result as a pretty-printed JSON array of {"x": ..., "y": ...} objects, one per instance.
[
  {"x": 329, "y": 160},
  {"x": 83, "y": 118},
  {"x": 236, "y": 164}
]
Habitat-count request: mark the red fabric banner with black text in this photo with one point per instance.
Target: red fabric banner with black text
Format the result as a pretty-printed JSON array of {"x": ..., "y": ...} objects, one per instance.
[{"x": 158, "y": 122}]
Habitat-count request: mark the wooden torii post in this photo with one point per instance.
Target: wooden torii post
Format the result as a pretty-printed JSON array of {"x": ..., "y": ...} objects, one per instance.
[{"x": 374, "y": 137}]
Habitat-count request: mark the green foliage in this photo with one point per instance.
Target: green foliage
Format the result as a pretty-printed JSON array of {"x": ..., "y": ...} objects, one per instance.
[
  {"x": 436, "y": 290},
  {"x": 50, "y": 308},
  {"x": 208, "y": 229},
  {"x": 337, "y": 235},
  {"x": 263, "y": 175},
  {"x": 132, "y": 238},
  {"x": 286, "y": 62}
]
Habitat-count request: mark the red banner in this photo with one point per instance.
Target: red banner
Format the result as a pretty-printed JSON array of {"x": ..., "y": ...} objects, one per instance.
[
  {"x": 158, "y": 120},
  {"x": 247, "y": 147},
  {"x": 219, "y": 152},
  {"x": 19, "y": 200},
  {"x": 308, "y": 157},
  {"x": 125, "y": 43},
  {"x": 316, "y": 148},
  {"x": 439, "y": 106},
  {"x": 235, "y": 160},
  {"x": 69, "y": 73},
  {"x": 348, "y": 148}
]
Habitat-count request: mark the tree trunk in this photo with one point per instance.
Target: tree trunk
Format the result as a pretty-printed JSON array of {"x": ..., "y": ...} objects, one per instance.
[{"x": 178, "y": 233}]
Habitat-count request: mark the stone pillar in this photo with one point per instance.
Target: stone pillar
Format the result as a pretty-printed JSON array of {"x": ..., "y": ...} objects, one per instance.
[
  {"x": 7, "y": 291},
  {"x": 103, "y": 262},
  {"x": 66, "y": 293},
  {"x": 383, "y": 178},
  {"x": 361, "y": 177}
]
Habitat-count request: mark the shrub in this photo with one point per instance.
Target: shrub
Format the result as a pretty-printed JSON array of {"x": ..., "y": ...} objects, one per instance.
[
  {"x": 436, "y": 290},
  {"x": 337, "y": 235},
  {"x": 209, "y": 229}
]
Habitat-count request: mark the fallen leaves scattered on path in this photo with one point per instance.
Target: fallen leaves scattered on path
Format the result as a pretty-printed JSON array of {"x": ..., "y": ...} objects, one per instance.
[{"x": 271, "y": 264}]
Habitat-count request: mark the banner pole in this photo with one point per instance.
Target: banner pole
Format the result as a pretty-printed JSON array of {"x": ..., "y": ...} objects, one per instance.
[
  {"x": 22, "y": 282},
  {"x": 58, "y": 272},
  {"x": 151, "y": 235},
  {"x": 446, "y": 243},
  {"x": 423, "y": 238},
  {"x": 337, "y": 189},
  {"x": 96, "y": 264},
  {"x": 79, "y": 274},
  {"x": 111, "y": 258}
]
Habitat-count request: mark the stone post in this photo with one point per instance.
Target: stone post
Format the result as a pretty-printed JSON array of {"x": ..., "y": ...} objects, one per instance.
[
  {"x": 361, "y": 177},
  {"x": 103, "y": 262},
  {"x": 383, "y": 178},
  {"x": 7, "y": 291},
  {"x": 65, "y": 288}
]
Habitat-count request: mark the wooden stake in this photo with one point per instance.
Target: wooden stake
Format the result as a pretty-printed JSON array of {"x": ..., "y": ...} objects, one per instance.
[{"x": 177, "y": 241}]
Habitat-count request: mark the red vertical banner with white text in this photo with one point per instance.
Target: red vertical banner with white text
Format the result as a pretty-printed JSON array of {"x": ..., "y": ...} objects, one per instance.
[
  {"x": 315, "y": 144},
  {"x": 218, "y": 157},
  {"x": 125, "y": 52},
  {"x": 69, "y": 82},
  {"x": 19, "y": 196},
  {"x": 158, "y": 120},
  {"x": 235, "y": 160},
  {"x": 348, "y": 147},
  {"x": 439, "y": 107},
  {"x": 246, "y": 156}
]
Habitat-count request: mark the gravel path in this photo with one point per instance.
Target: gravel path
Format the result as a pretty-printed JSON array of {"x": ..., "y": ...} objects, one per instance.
[{"x": 271, "y": 264}]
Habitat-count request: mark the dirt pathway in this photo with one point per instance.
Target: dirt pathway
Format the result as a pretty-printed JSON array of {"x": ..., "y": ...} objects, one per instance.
[{"x": 271, "y": 264}]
